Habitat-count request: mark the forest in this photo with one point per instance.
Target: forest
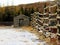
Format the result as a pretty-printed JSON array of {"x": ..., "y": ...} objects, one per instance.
[{"x": 7, "y": 13}]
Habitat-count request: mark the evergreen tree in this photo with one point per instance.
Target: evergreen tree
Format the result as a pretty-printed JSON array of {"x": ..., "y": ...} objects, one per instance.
[
  {"x": 32, "y": 10},
  {"x": 21, "y": 10},
  {"x": 26, "y": 12},
  {"x": 8, "y": 15}
]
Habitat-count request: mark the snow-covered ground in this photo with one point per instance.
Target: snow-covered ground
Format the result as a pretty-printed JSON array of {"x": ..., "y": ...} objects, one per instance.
[{"x": 9, "y": 36}]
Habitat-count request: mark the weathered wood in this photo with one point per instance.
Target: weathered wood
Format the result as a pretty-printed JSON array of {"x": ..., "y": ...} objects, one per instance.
[{"x": 21, "y": 20}]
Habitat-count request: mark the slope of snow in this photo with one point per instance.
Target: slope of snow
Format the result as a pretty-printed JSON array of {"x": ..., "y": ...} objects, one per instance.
[{"x": 12, "y": 37}]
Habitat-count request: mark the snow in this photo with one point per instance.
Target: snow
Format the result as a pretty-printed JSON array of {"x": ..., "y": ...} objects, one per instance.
[{"x": 9, "y": 36}]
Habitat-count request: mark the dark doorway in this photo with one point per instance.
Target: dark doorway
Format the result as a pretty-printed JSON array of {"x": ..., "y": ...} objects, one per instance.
[{"x": 21, "y": 22}]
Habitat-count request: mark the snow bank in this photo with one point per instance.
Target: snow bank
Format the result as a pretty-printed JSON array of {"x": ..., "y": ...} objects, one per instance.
[{"x": 11, "y": 37}]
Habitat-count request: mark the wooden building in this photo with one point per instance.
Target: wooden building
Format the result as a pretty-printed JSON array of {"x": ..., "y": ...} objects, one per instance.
[{"x": 21, "y": 20}]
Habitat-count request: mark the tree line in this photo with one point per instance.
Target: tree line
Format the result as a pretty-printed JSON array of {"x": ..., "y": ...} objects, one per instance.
[{"x": 8, "y": 14}]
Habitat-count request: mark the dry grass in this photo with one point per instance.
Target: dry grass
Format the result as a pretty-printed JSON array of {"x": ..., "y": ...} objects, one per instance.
[{"x": 30, "y": 29}]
